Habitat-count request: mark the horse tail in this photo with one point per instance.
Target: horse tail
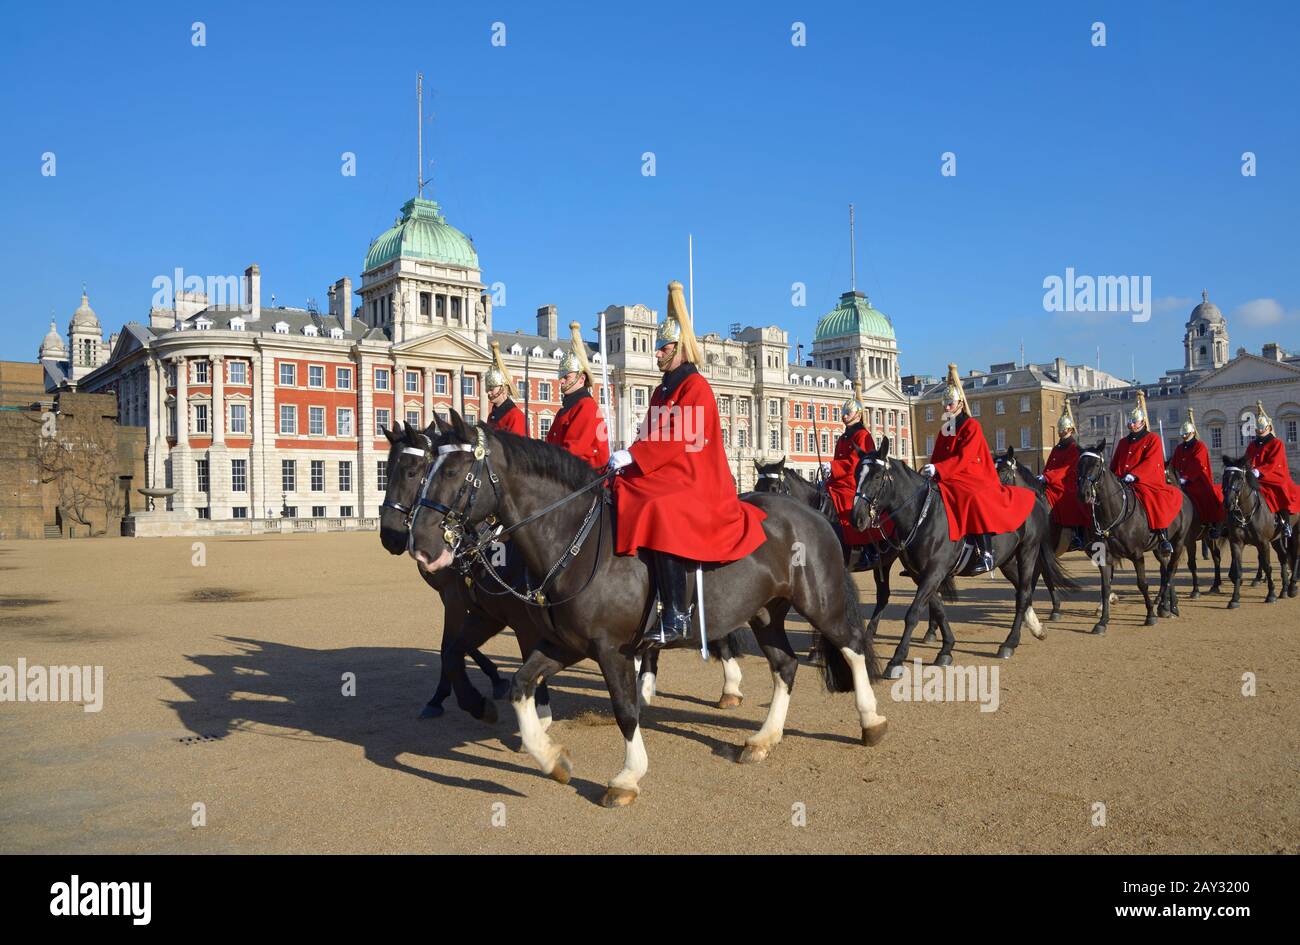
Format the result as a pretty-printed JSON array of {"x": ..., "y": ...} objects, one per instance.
[
  {"x": 1054, "y": 572},
  {"x": 948, "y": 590},
  {"x": 836, "y": 673}
]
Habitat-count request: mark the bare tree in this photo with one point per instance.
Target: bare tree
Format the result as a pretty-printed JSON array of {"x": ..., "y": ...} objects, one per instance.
[{"x": 78, "y": 455}]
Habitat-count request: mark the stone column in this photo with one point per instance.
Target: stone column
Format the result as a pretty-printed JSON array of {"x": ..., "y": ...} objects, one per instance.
[
  {"x": 157, "y": 414},
  {"x": 180, "y": 454},
  {"x": 426, "y": 378},
  {"x": 366, "y": 482},
  {"x": 218, "y": 400}
]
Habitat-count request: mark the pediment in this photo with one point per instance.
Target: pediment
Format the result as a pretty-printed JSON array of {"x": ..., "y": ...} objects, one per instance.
[
  {"x": 443, "y": 343},
  {"x": 1248, "y": 369}
]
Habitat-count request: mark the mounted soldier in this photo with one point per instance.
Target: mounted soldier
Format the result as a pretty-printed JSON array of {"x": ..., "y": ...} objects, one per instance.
[
  {"x": 1191, "y": 464},
  {"x": 978, "y": 504},
  {"x": 842, "y": 484},
  {"x": 1061, "y": 478},
  {"x": 1139, "y": 461},
  {"x": 578, "y": 427},
  {"x": 675, "y": 494},
  {"x": 1266, "y": 458},
  {"x": 505, "y": 417}
]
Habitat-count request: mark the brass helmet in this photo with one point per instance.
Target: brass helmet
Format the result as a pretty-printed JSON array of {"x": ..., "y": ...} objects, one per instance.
[
  {"x": 676, "y": 326},
  {"x": 1139, "y": 412},
  {"x": 853, "y": 404},
  {"x": 497, "y": 375},
  {"x": 954, "y": 393},
  {"x": 1066, "y": 422},
  {"x": 576, "y": 359},
  {"x": 1263, "y": 421},
  {"x": 1189, "y": 425}
]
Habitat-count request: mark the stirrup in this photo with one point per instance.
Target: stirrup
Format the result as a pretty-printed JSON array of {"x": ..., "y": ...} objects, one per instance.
[
  {"x": 985, "y": 563},
  {"x": 663, "y": 633}
]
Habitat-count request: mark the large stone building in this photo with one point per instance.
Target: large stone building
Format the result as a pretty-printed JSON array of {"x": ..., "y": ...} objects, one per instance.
[
  {"x": 1220, "y": 389},
  {"x": 268, "y": 417}
]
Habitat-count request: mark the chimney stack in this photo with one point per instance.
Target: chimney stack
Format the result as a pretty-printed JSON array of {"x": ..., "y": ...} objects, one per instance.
[
  {"x": 548, "y": 317},
  {"x": 1272, "y": 351},
  {"x": 342, "y": 300},
  {"x": 253, "y": 291}
]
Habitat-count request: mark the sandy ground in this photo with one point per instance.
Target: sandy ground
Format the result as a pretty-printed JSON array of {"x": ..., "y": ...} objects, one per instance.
[{"x": 236, "y": 703}]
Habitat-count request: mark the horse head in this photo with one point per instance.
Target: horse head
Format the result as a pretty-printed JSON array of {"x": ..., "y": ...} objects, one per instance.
[
  {"x": 771, "y": 477},
  {"x": 877, "y": 488},
  {"x": 410, "y": 453},
  {"x": 1238, "y": 483},
  {"x": 1006, "y": 466},
  {"x": 1092, "y": 470}
]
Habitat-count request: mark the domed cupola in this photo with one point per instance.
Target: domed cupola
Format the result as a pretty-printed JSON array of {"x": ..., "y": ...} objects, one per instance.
[
  {"x": 1207, "y": 311},
  {"x": 84, "y": 317},
  {"x": 854, "y": 316},
  {"x": 1205, "y": 342},
  {"x": 421, "y": 232},
  {"x": 53, "y": 348}
]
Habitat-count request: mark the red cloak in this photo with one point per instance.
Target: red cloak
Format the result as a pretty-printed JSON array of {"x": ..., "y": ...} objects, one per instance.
[
  {"x": 1269, "y": 457},
  {"x": 1192, "y": 462},
  {"x": 579, "y": 429},
  {"x": 975, "y": 499},
  {"x": 1143, "y": 457},
  {"x": 1062, "y": 480},
  {"x": 678, "y": 495},
  {"x": 843, "y": 482},
  {"x": 507, "y": 418}
]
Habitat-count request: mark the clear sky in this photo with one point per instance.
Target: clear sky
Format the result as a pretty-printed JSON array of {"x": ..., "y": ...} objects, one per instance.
[{"x": 1117, "y": 160}]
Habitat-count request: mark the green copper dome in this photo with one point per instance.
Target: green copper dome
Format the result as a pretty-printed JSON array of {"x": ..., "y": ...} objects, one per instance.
[
  {"x": 422, "y": 233},
  {"x": 854, "y": 316}
]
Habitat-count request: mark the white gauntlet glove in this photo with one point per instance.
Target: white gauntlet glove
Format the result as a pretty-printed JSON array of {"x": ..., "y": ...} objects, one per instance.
[
  {"x": 1256, "y": 472},
  {"x": 620, "y": 458},
  {"x": 1129, "y": 477},
  {"x": 1182, "y": 481},
  {"x": 928, "y": 471}
]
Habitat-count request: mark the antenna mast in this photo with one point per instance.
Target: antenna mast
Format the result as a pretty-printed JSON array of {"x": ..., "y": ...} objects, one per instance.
[
  {"x": 419, "y": 134},
  {"x": 853, "y": 254}
]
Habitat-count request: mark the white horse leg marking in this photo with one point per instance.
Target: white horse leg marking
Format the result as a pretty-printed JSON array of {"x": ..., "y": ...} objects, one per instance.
[
  {"x": 544, "y": 716},
  {"x": 731, "y": 677},
  {"x": 536, "y": 742},
  {"x": 862, "y": 694},
  {"x": 647, "y": 690},
  {"x": 635, "y": 763},
  {"x": 1035, "y": 625},
  {"x": 765, "y": 739}
]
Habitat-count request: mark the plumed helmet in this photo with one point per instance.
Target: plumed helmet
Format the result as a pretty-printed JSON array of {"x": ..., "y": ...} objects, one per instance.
[
  {"x": 1066, "y": 422},
  {"x": 676, "y": 327},
  {"x": 1139, "y": 412},
  {"x": 1189, "y": 425},
  {"x": 853, "y": 404},
  {"x": 497, "y": 375},
  {"x": 1262, "y": 420},
  {"x": 954, "y": 393},
  {"x": 576, "y": 358}
]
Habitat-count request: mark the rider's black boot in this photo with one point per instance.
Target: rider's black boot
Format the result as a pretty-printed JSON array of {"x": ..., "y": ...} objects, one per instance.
[
  {"x": 1163, "y": 543},
  {"x": 674, "y": 615},
  {"x": 983, "y": 548},
  {"x": 1284, "y": 525}
]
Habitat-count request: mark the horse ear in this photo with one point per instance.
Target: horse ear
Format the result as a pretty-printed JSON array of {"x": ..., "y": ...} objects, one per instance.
[
  {"x": 1100, "y": 447},
  {"x": 442, "y": 425},
  {"x": 758, "y": 466},
  {"x": 392, "y": 435},
  {"x": 1011, "y": 452},
  {"x": 883, "y": 448},
  {"x": 460, "y": 427},
  {"x": 781, "y": 462}
]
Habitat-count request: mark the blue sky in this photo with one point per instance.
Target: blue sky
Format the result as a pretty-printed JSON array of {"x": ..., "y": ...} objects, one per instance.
[{"x": 1122, "y": 160}]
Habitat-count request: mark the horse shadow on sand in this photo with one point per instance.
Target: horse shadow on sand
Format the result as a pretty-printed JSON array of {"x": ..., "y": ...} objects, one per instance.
[{"x": 275, "y": 690}]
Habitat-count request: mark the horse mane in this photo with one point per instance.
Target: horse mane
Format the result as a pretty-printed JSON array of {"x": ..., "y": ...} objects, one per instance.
[{"x": 546, "y": 460}]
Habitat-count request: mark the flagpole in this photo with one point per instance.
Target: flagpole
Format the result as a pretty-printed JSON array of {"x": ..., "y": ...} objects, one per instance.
[{"x": 604, "y": 379}]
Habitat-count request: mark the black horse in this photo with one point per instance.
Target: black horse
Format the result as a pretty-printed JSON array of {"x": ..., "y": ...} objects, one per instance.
[
  {"x": 477, "y": 609},
  {"x": 776, "y": 479},
  {"x": 915, "y": 505},
  {"x": 1014, "y": 473},
  {"x": 1201, "y": 533},
  {"x": 598, "y": 604},
  {"x": 1250, "y": 521},
  {"x": 1120, "y": 521}
]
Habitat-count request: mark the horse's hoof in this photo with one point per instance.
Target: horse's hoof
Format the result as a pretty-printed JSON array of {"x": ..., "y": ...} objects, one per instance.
[
  {"x": 1099, "y": 630},
  {"x": 1215, "y": 589},
  {"x": 1194, "y": 595},
  {"x": 1174, "y": 610},
  {"x": 943, "y": 659},
  {"x": 431, "y": 711},
  {"x": 873, "y": 735},
  {"x": 1150, "y": 622},
  {"x": 1004, "y": 652},
  {"x": 1292, "y": 592},
  {"x": 930, "y": 637},
  {"x": 1163, "y": 612},
  {"x": 1255, "y": 583},
  {"x": 728, "y": 701},
  {"x": 500, "y": 688},
  {"x": 1270, "y": 599},
  {"x": 1056, "y": 615},
  {"x": 894, "y": 671},
  {"x": 1234, "y": 604},
  {"x": 563, "y": 769},
  {"x": 752, "y": 754},
  {"x": 617, "y": 797}
]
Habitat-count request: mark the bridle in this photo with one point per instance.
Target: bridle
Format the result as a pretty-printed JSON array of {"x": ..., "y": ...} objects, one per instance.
[
  {"x": 1232, "y": 499},
  {"x": 1127, "y": 506},
  {"x": 783, "y": 487},
  {"x": 874, "y": 509},
  {"x": 457, "y": 526}
]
